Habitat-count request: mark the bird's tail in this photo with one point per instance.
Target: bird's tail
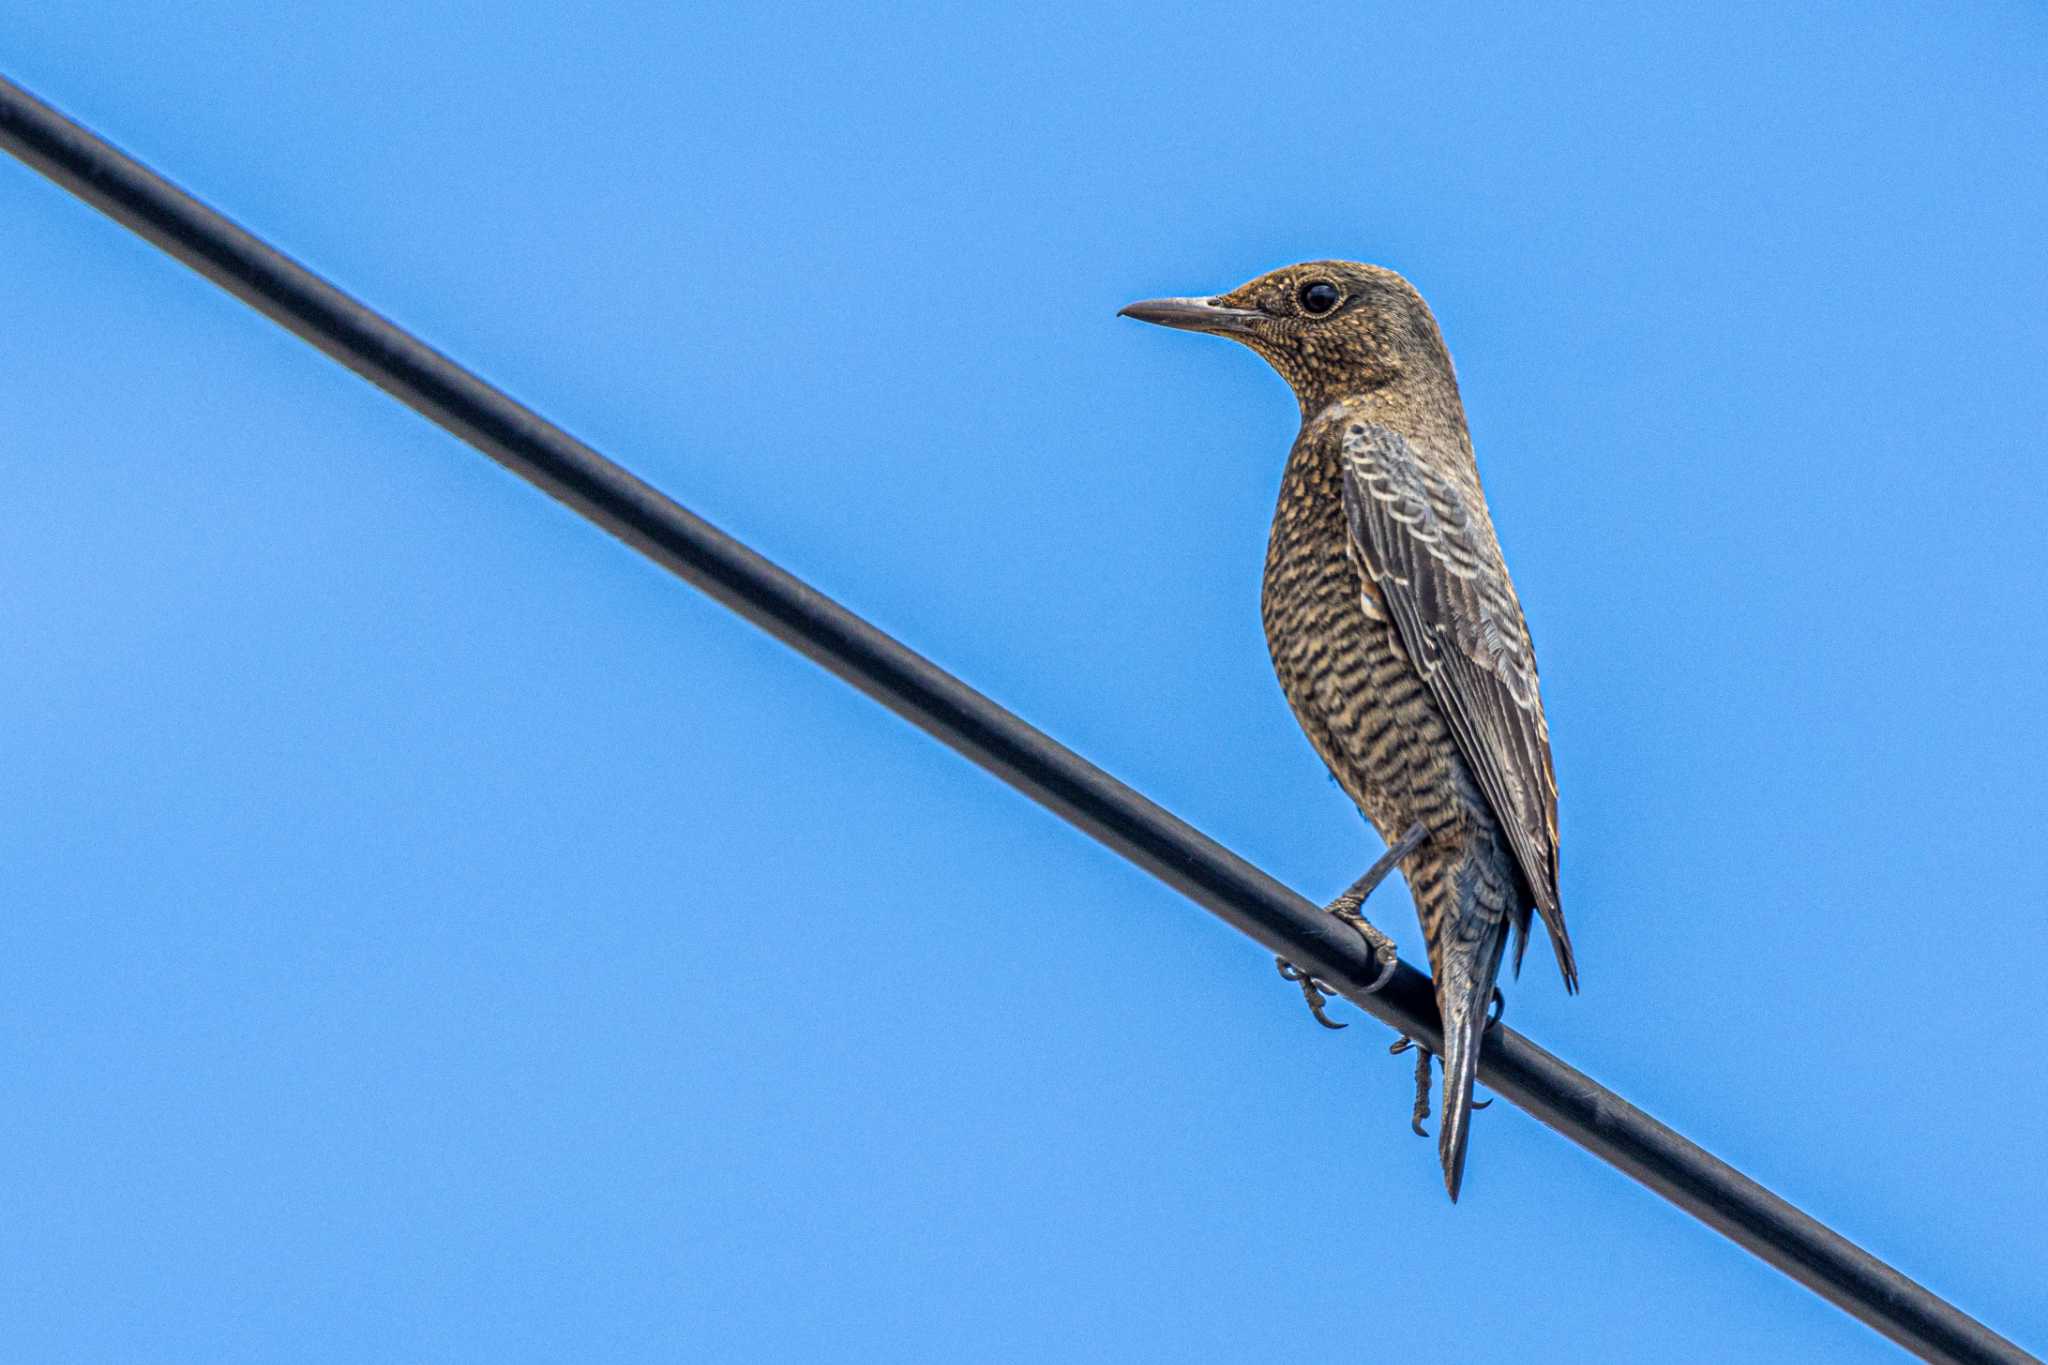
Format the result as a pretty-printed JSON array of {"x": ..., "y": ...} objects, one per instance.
[{"x": 1465, "y": 975}]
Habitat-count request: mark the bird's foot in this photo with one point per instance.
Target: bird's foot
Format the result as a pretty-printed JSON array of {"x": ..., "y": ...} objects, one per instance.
[
  {"x": 1347, "y": 908},
  {"x": 1317, "y": 993},
  {"x": 1422, "y": 1060}
]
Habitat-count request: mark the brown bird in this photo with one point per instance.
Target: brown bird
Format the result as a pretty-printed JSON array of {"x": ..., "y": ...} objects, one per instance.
[{"x": 1398, "y": 638}]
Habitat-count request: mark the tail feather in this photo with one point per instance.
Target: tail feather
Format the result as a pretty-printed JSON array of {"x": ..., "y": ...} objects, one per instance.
[
  {"x": 1561, "y": 943},
  {"x": 1521, "y": 939},
  {"x": 1464, "y": 992}
]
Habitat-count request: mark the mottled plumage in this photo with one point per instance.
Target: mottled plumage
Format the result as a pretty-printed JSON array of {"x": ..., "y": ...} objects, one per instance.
[{"x": 1395, "y": 629}]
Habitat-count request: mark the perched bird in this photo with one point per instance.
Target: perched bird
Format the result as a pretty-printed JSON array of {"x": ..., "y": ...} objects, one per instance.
[{"x": 1398, "y": 638}]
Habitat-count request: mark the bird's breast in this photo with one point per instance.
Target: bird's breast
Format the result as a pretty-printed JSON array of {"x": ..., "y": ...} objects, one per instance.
[{"x": 1339, "y": 661}]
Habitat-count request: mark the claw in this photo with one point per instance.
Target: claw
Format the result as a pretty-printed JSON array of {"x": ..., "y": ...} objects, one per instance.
[
  {"x": 1500, "y": 1007},
  {"x": 1386, "y": 975},
  {"x": 1315, "y": 992},
  {"x": 1383, "y": 950}
]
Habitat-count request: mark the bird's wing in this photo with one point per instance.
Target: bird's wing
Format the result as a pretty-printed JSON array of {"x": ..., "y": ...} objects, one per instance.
[{"x": 1427, "y": 544}]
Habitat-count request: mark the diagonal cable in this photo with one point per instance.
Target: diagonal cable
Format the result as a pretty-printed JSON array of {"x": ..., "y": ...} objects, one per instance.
[{"x": 1049, "y": 773}]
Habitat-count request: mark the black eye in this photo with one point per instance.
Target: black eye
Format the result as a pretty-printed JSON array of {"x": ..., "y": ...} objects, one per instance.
[{"x": 1319, "y": 297}]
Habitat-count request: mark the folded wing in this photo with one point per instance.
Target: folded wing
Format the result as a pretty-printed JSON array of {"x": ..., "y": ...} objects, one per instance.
[{"x": 1426, "y": 542}]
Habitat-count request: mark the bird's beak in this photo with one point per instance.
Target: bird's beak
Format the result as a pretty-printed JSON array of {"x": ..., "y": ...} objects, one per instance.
[{"x": 1191, "y": 315}]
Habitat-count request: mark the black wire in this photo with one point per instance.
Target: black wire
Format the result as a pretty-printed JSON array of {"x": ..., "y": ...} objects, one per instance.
[{"x": 1222, "y": 883}]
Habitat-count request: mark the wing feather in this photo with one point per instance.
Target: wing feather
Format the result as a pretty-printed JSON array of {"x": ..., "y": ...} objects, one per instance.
[{"x": 1424, "y": 538}]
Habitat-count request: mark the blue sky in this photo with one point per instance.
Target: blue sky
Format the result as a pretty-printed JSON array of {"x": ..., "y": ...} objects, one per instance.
[{"x": 432, "y": 933}]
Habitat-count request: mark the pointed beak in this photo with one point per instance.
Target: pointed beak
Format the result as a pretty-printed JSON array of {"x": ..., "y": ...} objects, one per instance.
[{"x": 1191, "y": 315}]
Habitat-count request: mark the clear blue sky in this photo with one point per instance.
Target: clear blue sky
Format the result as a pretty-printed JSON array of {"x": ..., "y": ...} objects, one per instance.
[{"x": 431, "y": 933}]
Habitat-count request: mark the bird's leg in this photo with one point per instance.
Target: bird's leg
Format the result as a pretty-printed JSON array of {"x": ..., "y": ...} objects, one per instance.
[{"x": 1346, "y": 908}]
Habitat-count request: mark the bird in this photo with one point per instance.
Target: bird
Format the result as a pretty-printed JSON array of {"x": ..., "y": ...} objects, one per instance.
[{"x": 1399, "y": 641}]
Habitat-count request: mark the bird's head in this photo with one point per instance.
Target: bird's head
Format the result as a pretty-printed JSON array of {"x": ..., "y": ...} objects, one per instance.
[{"x": 1333, "y": 329}]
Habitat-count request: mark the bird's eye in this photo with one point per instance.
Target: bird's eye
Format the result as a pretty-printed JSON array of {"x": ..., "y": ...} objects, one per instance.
[{"x": 1319, "y": 297}]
